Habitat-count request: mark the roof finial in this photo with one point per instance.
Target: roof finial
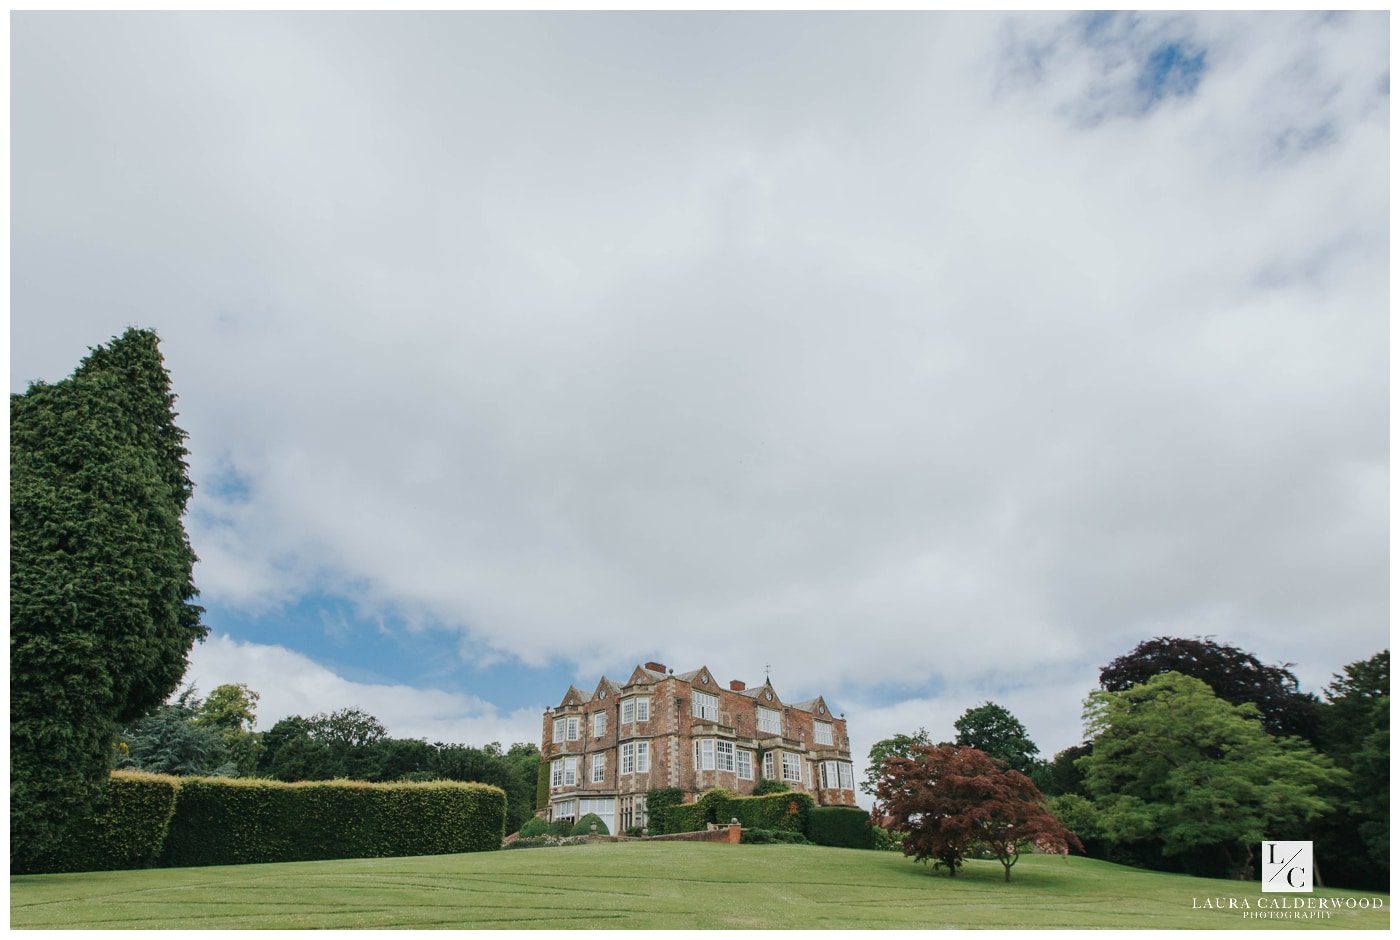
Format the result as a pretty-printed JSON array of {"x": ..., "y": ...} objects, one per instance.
[{"x": 766, "y": 677}]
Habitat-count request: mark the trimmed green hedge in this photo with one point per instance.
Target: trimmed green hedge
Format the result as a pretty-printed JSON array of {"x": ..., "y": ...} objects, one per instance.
[
  {"x": 785, "y": 811},
  {"x": 842, "y": 826},
  {"x": 688, "y": 817},
  {"x": 658, "y": 802},
  {"x": 221, "y": 821},
  {"x": 126, "y": 830}
]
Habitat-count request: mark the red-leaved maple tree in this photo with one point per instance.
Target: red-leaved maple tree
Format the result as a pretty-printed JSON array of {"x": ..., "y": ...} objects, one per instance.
[{"x": 948, "y": 800}]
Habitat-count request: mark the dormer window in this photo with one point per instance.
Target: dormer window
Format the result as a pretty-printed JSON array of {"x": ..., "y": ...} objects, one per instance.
[
  {"x": 704, "y": 706},
  {"x": 769, "y": 721}
]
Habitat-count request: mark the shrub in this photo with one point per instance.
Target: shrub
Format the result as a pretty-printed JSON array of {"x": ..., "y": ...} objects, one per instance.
[
  {"x": 767, "y": 836},
  {"x": 688, "y": 817},
  {"x": 633, "y": 831},
  {"x": 534, "y": 826},
  {"x": 658, "y": 802},
  {"x": 766, "y": 787},
  {"x": 584, "y": 827},
  {"x": 546, "y": 841},
  {"x": 126, "y": 829},
  {"x": 561, "y": 827},
  {"x": 842, "y": 826},
  {"x": 786, "y": 811},
  {"x": 234, "y": 821},
  {"x": 888, "y": 841}
]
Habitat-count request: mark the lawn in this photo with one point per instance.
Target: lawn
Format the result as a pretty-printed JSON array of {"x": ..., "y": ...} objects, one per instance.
[{"x": 653, "y": 885}]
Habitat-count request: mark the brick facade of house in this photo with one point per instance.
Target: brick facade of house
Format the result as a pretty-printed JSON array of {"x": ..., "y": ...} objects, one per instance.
[{"x": 696, "y": 734}]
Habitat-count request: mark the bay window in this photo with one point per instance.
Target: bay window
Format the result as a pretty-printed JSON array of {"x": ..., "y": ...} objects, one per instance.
[
  {"x": 724, "y": 755},
  {"x": 792, "y": 768}
]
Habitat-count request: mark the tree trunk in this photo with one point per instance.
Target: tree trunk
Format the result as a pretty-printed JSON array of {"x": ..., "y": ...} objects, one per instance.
[{"x": 1008, "y": 871}]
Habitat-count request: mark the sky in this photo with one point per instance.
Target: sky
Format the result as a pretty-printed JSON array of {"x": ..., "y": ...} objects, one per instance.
[{"x": 918, "y": 360}]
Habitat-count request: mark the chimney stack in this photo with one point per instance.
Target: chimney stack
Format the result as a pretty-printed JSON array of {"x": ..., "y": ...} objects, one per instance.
[
  {"x": 656, "y": 667},
  {"x": 736, "y": 685}
]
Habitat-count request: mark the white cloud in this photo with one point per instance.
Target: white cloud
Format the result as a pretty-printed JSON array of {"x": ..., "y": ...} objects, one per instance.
[
  {"x": 292, "y": 684},
  {"x": 884, "y": 350}
]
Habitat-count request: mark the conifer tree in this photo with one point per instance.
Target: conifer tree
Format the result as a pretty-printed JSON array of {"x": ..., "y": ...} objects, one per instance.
[{"x": 101, "y": 589}]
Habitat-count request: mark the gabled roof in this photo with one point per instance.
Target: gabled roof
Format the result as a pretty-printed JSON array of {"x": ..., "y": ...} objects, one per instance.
[
  {"x": 573, "y": 697},
  {"x": 701, "y": 676},
  {"x": 816, "y": 706},
  {"x": 644, "y": 676},
  {"x": 604, "y": 684},
  {"x": 757, "y": 693}
]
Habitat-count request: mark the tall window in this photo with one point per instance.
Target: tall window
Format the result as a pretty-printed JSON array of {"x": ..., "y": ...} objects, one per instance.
[
  {"x": 571, "y": 771},
  {"x": 600, "y": 765},
  {"x": 770, "y": 721},
  {"x": 745, "y": 765},
  {"x": 643, "y": 757},
  {"x": 600, "y": 724},
  {"x": 792, "y": 768},
  {"x": 556, "y": 773},
  {"x": 704, "y": 706},
  {"x": 848, "y": 776},
  {"x": 559, "y": 726},
  {"x": 566, "y": 729},
  {"x": 635, "y": 757},
  {"x": 629, "y": 758},
  {"x": 768, "y": 773},
  {"x": 822, "y": 731},
  {"x": 563, "y": 772},
  {"x": 704, "y": 753},
  {"x": 724, "y": 755}
]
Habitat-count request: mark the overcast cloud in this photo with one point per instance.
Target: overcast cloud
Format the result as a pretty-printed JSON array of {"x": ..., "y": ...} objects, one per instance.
[{"x": 926, "y": 358}]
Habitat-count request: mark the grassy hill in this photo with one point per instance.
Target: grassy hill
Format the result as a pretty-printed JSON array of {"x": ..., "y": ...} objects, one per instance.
[{"x": 651, "y": 885}]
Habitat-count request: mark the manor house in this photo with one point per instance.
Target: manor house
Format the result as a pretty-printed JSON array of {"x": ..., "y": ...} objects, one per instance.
[{"x": 607, "y": 748}]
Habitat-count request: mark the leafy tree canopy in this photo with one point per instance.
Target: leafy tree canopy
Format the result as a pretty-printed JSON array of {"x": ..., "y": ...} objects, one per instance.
[
  {"x": 900, "y": 745},
  {"x": 996, "y": 732},
  {"x": 1233, "y": 674},
  {"x": 101, "y": 590},
  {"x": 1173, "y": 761}
]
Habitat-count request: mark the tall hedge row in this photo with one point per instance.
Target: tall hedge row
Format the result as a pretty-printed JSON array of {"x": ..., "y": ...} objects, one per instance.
[
  {"x": 126, "y": 829},
  {"x": 783, "y": 811},
  {"x": 231, "y": 822},
  {"x": 658, "y": 802},
  {"x": 148, "y": 819},
  {"x": 687, "y": 817},
  {"x": 843, "y": 826}
]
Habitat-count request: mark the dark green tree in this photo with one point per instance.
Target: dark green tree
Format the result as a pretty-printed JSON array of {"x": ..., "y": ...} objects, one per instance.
[
  {"x": 1353, "y": 845},
  {"x": 101, "y": 581},
  {"x": 899, "y": 745},
  {"x": 997, "y": 733},
  {"x": 170, "y": 740},
  {"x": 1062, "y": 774},
  {"x": 305, "y": 758}
]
